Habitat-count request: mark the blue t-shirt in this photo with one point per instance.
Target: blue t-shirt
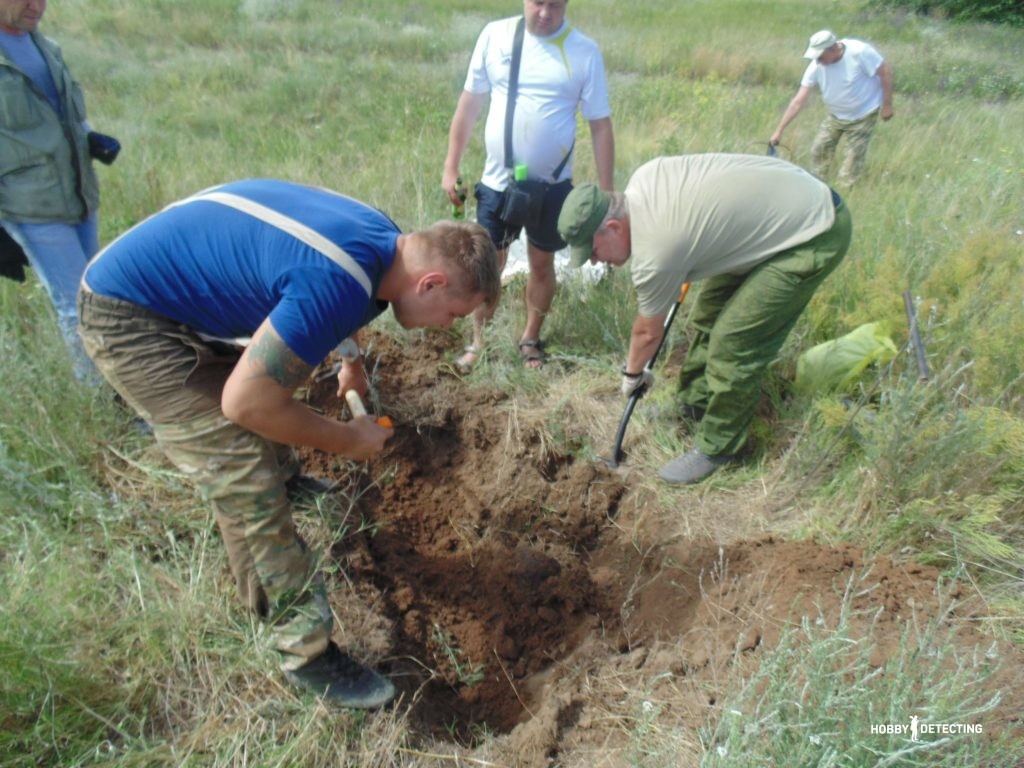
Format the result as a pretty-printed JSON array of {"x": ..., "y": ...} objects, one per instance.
[{"x": 227, "y": 258}]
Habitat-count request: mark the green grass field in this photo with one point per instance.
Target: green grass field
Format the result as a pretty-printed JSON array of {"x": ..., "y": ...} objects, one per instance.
[{"x": 119, "y": 641}]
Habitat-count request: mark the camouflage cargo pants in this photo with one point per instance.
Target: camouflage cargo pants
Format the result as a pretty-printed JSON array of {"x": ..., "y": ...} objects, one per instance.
[
  {"x": 173, "y": 379},
  {"x": 741, "y": 323},
  {"x": 858, "y": 136}
]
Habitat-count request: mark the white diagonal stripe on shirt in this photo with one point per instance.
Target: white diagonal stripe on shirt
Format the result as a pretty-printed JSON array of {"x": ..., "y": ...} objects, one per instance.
[{"x": 296, "y": 229}]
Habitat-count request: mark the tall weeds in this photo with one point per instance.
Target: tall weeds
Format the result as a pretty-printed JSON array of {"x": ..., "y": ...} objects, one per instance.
[{"x": 822, "y": 710}]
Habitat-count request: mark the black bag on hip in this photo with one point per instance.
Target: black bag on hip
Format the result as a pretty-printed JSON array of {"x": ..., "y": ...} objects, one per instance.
[{"x": 522, "y": 203}]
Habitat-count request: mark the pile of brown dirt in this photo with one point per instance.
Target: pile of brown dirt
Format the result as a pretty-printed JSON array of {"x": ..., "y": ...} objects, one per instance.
[{"x": 508, "y": 592}]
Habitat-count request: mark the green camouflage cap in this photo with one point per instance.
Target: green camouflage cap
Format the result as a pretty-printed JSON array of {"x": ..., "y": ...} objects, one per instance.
[{"x": 582, "y": 213}]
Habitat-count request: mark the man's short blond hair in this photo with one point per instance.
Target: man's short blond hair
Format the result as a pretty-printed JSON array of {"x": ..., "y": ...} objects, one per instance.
[{"x": 466, "y": 249}]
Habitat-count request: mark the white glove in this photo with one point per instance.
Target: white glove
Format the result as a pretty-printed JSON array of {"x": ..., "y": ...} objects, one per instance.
[{"x": 637, "y": 382}]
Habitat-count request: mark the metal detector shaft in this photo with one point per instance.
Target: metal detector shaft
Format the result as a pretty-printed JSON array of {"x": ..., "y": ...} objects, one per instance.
[{"x": 620, "y": 434}]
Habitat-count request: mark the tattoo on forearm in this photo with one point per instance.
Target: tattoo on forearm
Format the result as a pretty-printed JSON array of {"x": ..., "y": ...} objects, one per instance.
[{"x": 281, "y": 364}]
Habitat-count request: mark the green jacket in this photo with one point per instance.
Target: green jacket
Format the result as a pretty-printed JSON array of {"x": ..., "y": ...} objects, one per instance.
[{"x": 46, "y": 172}]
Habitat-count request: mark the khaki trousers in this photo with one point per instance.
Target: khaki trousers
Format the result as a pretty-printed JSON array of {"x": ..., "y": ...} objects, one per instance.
[
  {"x": 174, "y": 379},
  {"x": 858, "y": 136}
]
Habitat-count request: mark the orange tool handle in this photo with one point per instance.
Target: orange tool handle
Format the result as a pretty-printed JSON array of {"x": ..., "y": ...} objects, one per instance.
[{"x": 355, "y": 404}]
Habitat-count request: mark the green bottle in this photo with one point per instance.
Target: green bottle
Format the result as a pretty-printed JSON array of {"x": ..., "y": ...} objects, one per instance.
[{"x": 459, "y": 211}]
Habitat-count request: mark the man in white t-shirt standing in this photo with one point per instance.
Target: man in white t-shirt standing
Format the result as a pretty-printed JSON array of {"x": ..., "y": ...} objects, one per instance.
[
  {"x": 760, "y": 233},
  {"x": 561, "y": 70},
  {"x": 856, "y": 86}
]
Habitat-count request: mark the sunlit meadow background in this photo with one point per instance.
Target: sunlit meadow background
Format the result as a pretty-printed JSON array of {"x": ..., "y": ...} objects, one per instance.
[{"x": 119, "y": 641}]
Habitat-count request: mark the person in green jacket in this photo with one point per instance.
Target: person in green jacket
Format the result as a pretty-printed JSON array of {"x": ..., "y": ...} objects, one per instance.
[{"x": 49, "y": 193}]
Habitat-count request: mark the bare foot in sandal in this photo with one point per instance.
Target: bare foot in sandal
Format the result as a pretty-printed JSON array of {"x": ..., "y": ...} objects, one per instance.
[
  {"x": 467, "y": 361},
  {"x": 532, "y": 352}
]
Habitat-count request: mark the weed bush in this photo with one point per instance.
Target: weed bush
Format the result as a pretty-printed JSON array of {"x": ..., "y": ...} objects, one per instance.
[
  {"x": 928, "y": 473},
  {"x": 995, "y": 11}
]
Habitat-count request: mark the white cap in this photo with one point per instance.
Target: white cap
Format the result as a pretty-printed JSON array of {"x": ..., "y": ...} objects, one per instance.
[{"x": 819, "y": 43}]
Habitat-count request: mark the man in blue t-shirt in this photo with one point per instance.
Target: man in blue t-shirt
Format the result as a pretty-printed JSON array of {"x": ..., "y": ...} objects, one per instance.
[{"x": 207, "y": 316}]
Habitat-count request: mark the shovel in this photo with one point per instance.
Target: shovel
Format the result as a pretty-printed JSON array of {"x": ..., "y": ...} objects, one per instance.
[{"x": 617, "y": 453}]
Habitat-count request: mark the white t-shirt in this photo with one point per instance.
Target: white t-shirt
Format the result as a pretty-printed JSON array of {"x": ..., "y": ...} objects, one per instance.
[
  {"x": 557, "y": 74},
  {"x": 697, "y": 216},
  {"x": 849, "y": 87}
]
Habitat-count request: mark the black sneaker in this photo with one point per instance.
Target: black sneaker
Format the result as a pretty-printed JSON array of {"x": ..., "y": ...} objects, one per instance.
[
  {"x": 301, "y": 486},
  {"x": 691, "y": 413},
  {"x": 339, "y": 678}
]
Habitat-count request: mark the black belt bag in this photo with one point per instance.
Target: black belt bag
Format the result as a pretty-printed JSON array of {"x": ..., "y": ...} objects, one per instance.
[{"x": 522, "y": 203}]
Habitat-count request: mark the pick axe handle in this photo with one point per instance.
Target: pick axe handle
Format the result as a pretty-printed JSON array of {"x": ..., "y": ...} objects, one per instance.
[
  {"x": 355, "y": 403},
  {"x": 668, "y": 324},
  {"x": 631, "y": 404}
]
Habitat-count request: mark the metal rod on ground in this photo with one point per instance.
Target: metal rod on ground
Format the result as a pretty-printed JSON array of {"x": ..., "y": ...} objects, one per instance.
[
  {"x": 617, "y": 454},
  {"x": 915, "y": 338}
]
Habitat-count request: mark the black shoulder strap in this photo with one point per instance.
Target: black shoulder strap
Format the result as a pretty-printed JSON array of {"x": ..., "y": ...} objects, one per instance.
[
  {"x": 565, "y": 161},
  {"x": 513, "y": 86},
  {"x": 510, "y": 108}
]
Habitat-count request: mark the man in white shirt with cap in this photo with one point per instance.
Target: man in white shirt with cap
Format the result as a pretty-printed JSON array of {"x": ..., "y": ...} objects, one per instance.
[{"x": 856, "y": 86}]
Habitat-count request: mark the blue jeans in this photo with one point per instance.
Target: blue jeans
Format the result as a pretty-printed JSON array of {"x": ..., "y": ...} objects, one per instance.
[{"x": 58, "y": 253}]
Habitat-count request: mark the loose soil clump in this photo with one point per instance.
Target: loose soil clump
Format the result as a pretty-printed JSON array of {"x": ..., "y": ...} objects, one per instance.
[{"x": 508, "y": 588}]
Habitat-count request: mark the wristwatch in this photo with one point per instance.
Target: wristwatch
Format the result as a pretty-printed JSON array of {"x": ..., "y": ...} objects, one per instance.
[{"x": 349, "y": 350}]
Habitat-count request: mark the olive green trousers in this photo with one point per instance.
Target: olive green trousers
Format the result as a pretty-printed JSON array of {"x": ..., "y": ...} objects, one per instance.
[{"x": 741, "y": 323}]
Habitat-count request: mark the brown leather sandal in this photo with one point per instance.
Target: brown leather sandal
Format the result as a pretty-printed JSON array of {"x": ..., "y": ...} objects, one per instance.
[{"x": 532, "y": 352}]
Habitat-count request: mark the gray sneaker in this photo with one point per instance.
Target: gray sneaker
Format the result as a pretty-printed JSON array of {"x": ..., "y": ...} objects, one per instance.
[
  {"x": 692, "y": 467},
  {"x": 691, "y": 413},
  {"x": 339, "y": 678}
]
